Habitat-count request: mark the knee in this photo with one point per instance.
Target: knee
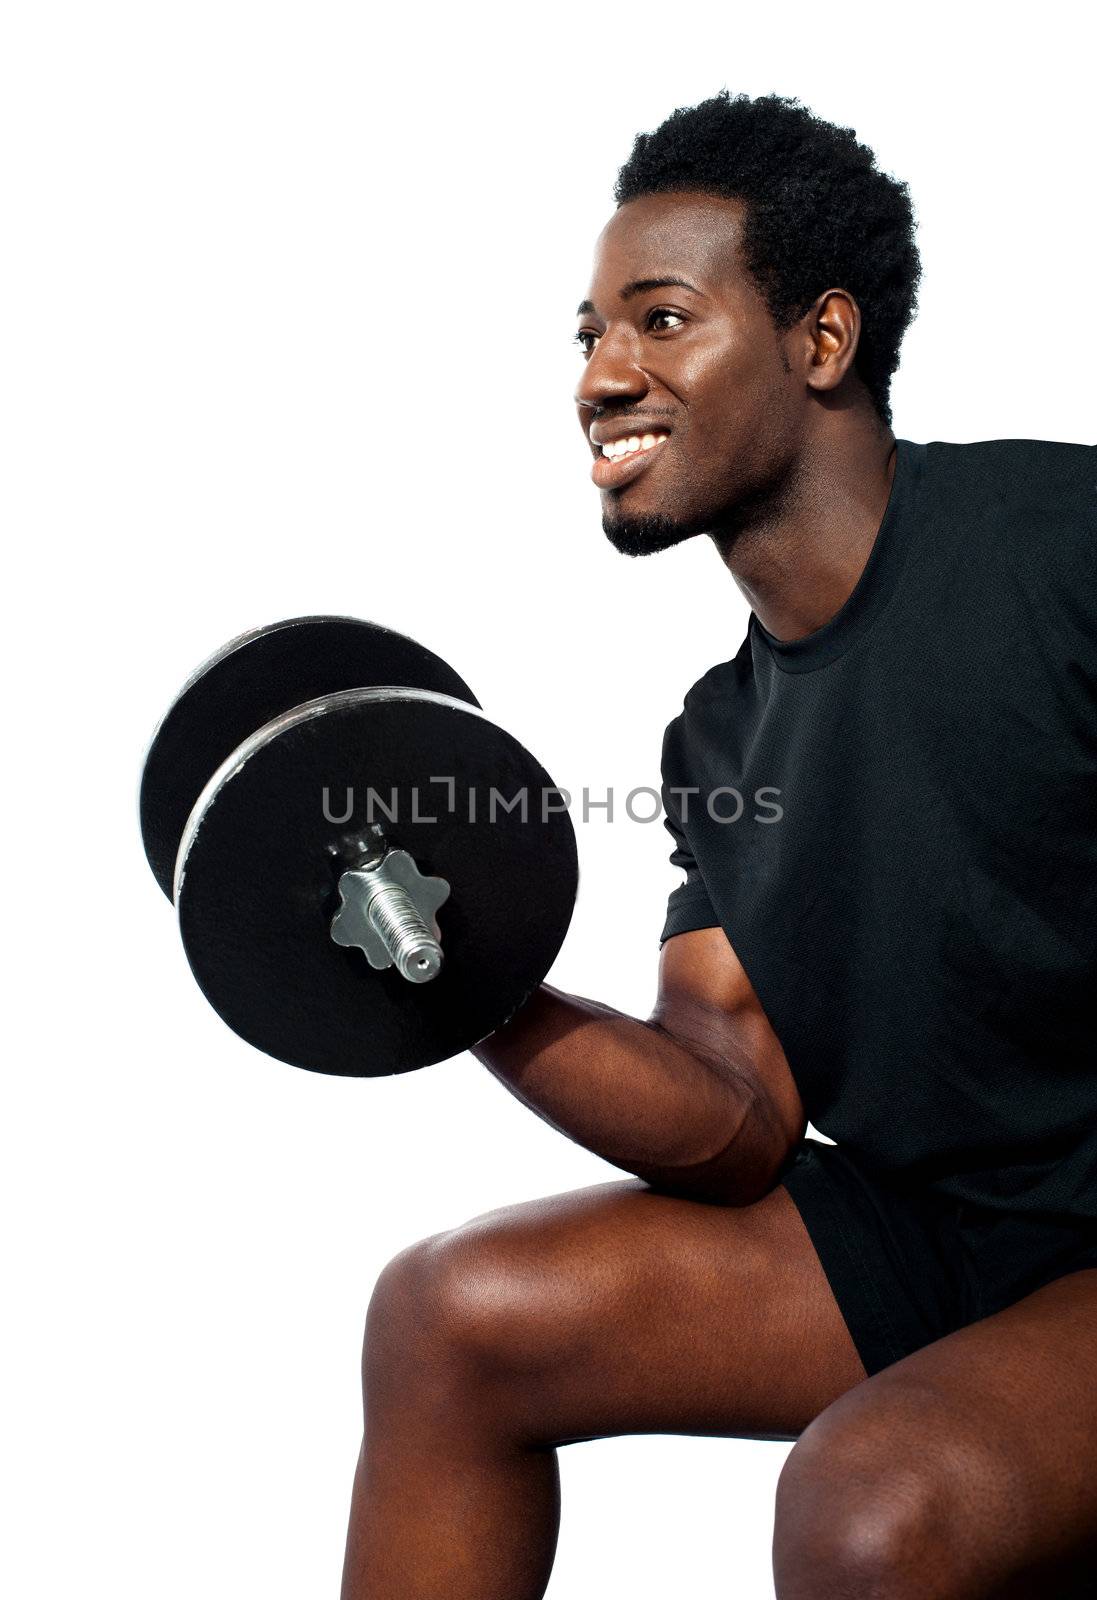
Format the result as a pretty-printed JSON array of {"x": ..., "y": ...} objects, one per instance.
[
  {"x": 865, "y": 1506},
  {"x": 473, "y": 1305}
]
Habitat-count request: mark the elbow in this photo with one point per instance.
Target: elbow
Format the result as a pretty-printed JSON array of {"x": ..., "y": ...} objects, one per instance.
[{"x": 748, "y": 1166}]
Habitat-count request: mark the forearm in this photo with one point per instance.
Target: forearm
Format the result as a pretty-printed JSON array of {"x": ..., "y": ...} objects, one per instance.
[{"x": 684, "y": 1116}]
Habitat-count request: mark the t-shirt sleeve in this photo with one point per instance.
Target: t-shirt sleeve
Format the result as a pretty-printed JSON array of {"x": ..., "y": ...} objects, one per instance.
[{"x": 688, "y": 907}]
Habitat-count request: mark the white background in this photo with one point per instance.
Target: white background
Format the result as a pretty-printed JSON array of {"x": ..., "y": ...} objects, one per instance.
[{"x": 287, "y": 299}]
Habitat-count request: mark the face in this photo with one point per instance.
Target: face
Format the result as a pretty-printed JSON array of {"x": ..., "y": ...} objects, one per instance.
[{"x": 694, "y": 368}]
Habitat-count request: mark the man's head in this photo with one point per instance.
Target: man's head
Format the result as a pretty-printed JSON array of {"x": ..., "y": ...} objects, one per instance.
[{"x": 797, "y": 274}]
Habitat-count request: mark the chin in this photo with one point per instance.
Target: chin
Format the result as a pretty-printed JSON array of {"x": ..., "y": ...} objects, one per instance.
[{"x": 646, "y": 533}]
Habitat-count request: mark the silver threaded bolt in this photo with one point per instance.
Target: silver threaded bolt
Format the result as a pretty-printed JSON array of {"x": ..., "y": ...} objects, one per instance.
[{"x": 415, "y": 951}]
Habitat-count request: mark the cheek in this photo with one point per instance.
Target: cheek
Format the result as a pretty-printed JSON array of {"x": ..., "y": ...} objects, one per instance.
[
  {"x": 727, "y": 380},
  {"x": 739, "y": 407}
]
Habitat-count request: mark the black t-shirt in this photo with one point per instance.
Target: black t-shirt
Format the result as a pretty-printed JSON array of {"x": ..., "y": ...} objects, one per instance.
[{"x": 895, "y": 822}]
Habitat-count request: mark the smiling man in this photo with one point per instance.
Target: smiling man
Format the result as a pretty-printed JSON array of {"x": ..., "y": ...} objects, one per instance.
[{"x": 905, "y": 954}]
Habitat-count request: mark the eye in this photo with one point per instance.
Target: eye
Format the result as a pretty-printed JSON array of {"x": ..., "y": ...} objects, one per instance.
[
  {"x": 581, "y": 340},
  {"x": 663, "y": 311}
]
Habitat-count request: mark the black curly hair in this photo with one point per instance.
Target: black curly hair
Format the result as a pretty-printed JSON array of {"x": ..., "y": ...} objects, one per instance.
[{"x": 819, "y": 214}]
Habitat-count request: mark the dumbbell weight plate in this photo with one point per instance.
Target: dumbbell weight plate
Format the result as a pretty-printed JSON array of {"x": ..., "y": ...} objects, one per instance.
[
  {"x": 251, "y": 680},
  {"x": 259, "y": 864}
]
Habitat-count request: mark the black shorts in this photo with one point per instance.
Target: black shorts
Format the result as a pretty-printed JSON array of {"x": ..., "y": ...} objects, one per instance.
[{"x": 907, "y": 1268}]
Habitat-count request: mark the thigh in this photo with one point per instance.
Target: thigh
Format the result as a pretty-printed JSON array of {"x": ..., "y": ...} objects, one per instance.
[
  {"x": 618, "y": 1309},
  {"x": 968, "y": 1468}
]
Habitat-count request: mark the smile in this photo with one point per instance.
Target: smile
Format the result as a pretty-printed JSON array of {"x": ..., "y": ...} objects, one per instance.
[{"x": 622, "y": 460}]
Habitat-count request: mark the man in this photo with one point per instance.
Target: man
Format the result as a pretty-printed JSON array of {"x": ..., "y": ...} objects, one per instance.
[{"x": 897, "y": 939}]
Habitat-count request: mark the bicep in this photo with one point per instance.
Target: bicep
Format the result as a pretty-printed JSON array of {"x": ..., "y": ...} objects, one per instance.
[{"x": 706, "y": 1000}]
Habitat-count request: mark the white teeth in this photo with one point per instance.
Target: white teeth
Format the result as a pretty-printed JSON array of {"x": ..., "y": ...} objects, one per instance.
[{"x": 617, "y": 448}]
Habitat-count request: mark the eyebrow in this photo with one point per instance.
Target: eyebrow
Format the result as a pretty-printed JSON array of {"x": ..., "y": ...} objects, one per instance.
[{"x": 641, "y": 286}]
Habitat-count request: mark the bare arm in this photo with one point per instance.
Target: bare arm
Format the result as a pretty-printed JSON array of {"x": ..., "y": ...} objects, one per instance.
[{"x": 698, "y": 1099}]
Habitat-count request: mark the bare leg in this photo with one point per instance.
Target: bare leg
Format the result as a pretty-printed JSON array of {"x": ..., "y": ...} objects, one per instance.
[
  {"x": 967, "y": 1471},
  {"x": 609, "y": 1311}
]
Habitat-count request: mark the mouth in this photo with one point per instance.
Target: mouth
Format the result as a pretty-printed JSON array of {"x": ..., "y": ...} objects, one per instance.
[{"x": 632, "y": 456}]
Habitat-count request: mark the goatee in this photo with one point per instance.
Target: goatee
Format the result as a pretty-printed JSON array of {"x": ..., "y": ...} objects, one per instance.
[{"x": 647, "y": 535}]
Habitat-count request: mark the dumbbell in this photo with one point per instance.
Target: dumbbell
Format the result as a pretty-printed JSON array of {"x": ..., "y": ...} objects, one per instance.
[{"x": 369, "y": 875}]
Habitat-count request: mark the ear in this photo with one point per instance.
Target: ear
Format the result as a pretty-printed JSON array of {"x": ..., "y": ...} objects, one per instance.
[{"x": 832, "y": 328}]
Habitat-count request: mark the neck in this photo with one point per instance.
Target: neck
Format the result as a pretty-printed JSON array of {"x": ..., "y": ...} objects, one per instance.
[{"x": 798, "y": 556}]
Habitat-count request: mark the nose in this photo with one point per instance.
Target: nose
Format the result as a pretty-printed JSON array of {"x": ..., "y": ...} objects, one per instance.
[{"x": 611, "y": 373}]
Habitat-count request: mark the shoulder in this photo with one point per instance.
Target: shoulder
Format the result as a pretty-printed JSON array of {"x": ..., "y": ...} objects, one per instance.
[
  {"x": 1028, "y": 507},
  {"x": 1040, "y": 477},
  {"x": 720, "y": 695}
]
